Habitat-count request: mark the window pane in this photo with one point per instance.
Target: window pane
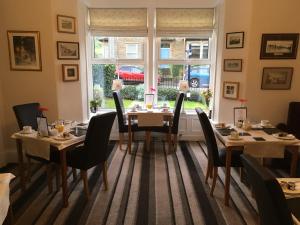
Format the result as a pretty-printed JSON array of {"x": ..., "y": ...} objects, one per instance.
[
  {"x": 130, "y": 47},
  {"x": 172, "y": 48},
  {"x": 102, "y": 48},
  {"x": 133, "y": 83},
  {"x": 196, "y": 48},
  {"x": 118, "y": 47},
  {"x": 171, "y": 74}
]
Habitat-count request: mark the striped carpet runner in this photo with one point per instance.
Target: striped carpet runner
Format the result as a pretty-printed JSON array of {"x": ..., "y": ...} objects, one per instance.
[{"x": 144, "y": 188}]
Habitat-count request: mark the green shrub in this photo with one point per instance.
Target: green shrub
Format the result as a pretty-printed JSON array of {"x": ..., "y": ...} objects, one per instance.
[
  {"x": 167, "y": 94},
  {"x": 140, "y": 92},
  {"x": 129, "y": 92},
  {"x": 109, "y": 76},
  {"x": 195, "y": 96},
  {"x": 177, "y": 70}
]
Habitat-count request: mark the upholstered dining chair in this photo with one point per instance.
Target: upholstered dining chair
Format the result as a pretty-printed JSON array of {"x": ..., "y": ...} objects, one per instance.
[
  {"x": 216, "y": 155},
  {"x": 26, "y": 115},
  {"x": 94, "y": 151},
  {"x": 122, "y": 120},
  {"x": 272, "y": 206},
  {"x": 175, "y": 122}
]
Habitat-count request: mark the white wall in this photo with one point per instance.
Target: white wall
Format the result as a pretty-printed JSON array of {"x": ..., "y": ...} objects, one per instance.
[
  {"x": 255, "y": 17},
  {"x": 267, "y": 17},
  {"x": 26, "y": 86}
]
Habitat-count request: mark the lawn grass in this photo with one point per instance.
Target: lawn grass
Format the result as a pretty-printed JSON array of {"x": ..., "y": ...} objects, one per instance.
[{"x": 188, "y": 105}]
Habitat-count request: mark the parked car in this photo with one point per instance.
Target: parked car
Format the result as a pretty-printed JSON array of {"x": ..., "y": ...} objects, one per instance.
[
  {"x": 131, "y": 74},
  {"x": 198, "y": 76}
]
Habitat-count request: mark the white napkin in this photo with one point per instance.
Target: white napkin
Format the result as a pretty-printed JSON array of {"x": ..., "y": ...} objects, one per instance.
[
  {"x": 150, "y": 119},
  {"x": 5, "y": 179},
  {"x": 36, "y": 147}
]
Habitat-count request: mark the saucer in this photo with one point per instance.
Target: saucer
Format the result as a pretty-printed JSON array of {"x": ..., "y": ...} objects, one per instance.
[
  {"x": 287, "y": 137},
  {"x": 26, "y": 132},
  {"x": 234, "y": 139},
  {"x": 61, "y": 138}
]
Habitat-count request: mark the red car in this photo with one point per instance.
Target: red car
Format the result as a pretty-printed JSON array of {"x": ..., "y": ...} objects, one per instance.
[{"x": 131, "y": 74}]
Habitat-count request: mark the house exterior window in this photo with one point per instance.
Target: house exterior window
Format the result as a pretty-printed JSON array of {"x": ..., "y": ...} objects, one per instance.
[{"x": 132, "y": 51}]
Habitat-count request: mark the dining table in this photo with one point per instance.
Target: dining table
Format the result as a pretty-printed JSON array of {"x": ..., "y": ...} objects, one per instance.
[
  {"x": 40, "y": 146},
  {"x": 261, "y": 142},
  {"x": 150, "y": 118}
]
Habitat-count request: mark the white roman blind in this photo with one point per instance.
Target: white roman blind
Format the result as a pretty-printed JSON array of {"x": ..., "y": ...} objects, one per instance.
[
  {"x": 108, "y": 20},
  {"x": 184, "y": 21}
]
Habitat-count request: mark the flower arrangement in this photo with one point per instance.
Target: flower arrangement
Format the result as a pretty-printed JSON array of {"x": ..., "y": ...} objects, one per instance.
[
  {"x": 42, "y": 110},
  {"x": 94, "y": 104},
  {"x": 207, "y": 94},
  {"x": 242, "y": 101}
]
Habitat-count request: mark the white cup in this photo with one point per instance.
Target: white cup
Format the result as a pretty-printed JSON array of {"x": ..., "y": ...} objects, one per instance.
[
  {"x": 27, "y": 129},
  {"x": 53, "y": 132},
  {"x": 264, "y": 122},
  {"x": 234, "y": 135}
]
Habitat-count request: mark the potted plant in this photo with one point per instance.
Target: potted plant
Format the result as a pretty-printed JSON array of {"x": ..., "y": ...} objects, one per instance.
[
  {"x": 207, "y": 94},
  {"x": 94, "y": 104}
]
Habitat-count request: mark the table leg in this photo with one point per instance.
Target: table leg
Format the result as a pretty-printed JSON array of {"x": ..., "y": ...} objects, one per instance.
[
  {"x": 21, "y": 164},
  {"x": 227, "y": 176},
  {"x": 294, "y": 162},
  {"x": 63, "y": 166},
  {"x": 129, "y": 134}
]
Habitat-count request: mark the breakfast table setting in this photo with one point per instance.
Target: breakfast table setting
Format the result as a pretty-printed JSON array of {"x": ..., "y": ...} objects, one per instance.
[
  {"x": 149, "y": 116},
  {"x": 62, "y": 135},
  {"x": 261, "y": 140}
]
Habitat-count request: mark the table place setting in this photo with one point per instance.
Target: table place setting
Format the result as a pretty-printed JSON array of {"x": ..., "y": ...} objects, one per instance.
[{"x": 290, "y": 186}]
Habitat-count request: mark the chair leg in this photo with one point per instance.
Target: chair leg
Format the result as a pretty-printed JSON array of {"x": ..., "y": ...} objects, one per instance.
[
  {"x": 49, "y": 177},
  {"x": 121, "y": 140},
  {"x": 74, "y": 172},
  {"x": 83, "y": 174},
  {"x": 208, "y": 171},
  {"x": 104, "y": 171},
  {"x": 214, "y": 181},
  {"x": 28, "y": 169}
]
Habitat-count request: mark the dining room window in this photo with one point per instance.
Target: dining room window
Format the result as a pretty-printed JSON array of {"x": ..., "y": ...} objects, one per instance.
[
  {"x": 113, "y": 58},
  {"x": 188, "y": 36},
  {"x": 189, "y": 60}
]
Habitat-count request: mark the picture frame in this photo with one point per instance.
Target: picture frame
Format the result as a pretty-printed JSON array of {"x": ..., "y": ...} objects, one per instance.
[
  {"x": 277, "y": 78},
  {"x": 24, "y": 50},
  {"x": 68, "y": 50},
  {"x": 231, "y": 90},
  {"x": 279, "y": 46},
  {"x": 42, "y": 126},
  {"x": 70, "y": 72},
  {"x": 239, "y": 114},
  {"x": 66, "y": 24},
  {"x": 235, "y": 40},
  {"x": 233, "y": 65}
]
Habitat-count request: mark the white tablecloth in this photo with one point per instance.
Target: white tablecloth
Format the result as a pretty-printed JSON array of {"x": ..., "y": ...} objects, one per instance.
[{"x": 5, "y": 179}]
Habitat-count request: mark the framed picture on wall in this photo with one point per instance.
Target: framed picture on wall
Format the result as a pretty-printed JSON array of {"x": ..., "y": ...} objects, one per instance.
[
  {"x": 231, "y": 90},
  {"x": 277, "y": 78},
  {"x": 66, "y": 24},
  {"x": 235, "y": 40},
  {"x": 67, "y": 50},
  {"x": 70, "y": 72},
  {"x": 233, "y": 65},
  {"x": 279, "y": 46},
  {"x": 24, "y": 50}
]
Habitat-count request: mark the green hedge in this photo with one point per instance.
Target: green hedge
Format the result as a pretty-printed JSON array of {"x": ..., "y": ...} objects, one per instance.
[
  {"x": 129, "y": 92},
  {"x": 167, "y": 94},
  {"x": 109, "y": 76}
]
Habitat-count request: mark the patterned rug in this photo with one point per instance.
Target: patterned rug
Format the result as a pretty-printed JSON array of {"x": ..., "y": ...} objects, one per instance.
[{"x": 144, "y": 188}]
